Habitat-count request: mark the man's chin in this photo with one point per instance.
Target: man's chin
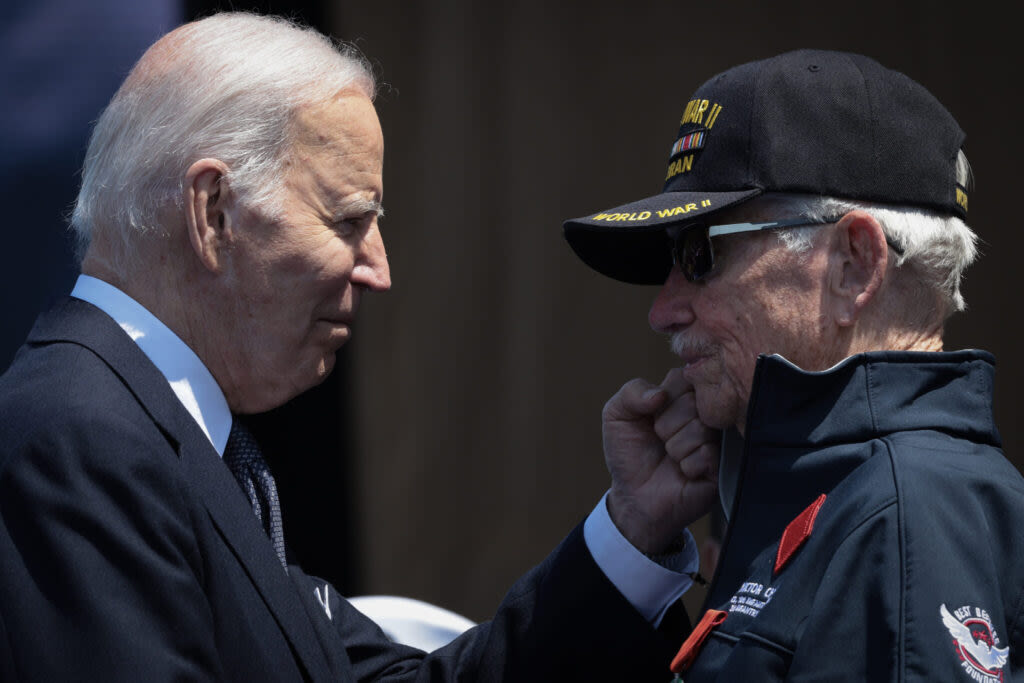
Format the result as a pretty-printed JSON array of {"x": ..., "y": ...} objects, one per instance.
[
  {"x": 307, "y": 380},
  {"x": 713, "y": 408},
  {"x": 270, "y": 396}
]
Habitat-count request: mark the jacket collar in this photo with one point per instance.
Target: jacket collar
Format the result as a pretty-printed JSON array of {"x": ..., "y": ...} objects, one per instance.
[
  {"x": 865, "y": 396},
  {"x": 870, "y": 395}
]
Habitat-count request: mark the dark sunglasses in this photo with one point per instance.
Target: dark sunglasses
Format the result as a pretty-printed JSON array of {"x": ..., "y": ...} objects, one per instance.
[{"x": 693, "y": 252}]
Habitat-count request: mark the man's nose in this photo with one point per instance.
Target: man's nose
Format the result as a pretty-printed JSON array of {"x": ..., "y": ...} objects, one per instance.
[
  {"x": 672, "y": 307},
  {"x": 371, "y": 269}
]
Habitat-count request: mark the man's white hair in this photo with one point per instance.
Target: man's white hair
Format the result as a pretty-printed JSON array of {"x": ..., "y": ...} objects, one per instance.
[
  {"x": 224, "y": 87},
  {"x": 938, "y": 247}
]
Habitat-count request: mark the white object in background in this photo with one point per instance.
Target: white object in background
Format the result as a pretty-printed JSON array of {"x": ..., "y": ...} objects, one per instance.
[{"x": 412, "y": 622}]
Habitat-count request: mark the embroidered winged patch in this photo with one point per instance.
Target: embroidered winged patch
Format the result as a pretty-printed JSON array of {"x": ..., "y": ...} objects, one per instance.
[{"x": 975, "y": 641}]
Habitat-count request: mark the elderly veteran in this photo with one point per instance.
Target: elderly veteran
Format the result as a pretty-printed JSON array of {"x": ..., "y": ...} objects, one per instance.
[
  {"x": 228, "y": 218},
  {"x": 809, "y": 243}
]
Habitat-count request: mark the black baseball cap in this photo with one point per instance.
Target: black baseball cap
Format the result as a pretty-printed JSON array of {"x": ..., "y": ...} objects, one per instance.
[{"x": 810, "y": 122}]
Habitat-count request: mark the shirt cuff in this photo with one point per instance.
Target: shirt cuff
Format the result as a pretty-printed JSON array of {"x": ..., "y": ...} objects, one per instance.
[{"x": 650, "y": 587}]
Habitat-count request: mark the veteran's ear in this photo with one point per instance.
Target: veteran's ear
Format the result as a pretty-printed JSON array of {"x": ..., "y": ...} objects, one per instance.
[
  {"x": 208, "y": 202},
  {"x": 860, "y": 257}
]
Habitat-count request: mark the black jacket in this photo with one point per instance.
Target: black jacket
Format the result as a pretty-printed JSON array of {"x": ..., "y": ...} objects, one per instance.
[{"x": 912, "y": 568}]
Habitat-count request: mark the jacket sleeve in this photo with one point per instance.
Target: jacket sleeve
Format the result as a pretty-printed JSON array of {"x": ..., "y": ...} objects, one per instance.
[
  {"x": 90, "y": 588},
  {"x": 563, "y": 621},
  {"x": 928, "y": 587},
  {"x": 961, "y": 510}
]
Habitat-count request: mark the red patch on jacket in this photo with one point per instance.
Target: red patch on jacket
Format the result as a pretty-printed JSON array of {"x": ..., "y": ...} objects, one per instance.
[{"x": 798, "y": 531}]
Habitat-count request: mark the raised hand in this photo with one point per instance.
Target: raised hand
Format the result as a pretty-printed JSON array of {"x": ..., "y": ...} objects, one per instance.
[{"x": 663, "y": 461}]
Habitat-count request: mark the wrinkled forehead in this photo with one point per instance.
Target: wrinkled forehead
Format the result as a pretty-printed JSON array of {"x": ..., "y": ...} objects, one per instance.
[{"x": 348, "y": 122}]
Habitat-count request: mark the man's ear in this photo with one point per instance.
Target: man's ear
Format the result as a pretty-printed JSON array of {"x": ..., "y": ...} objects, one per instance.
[
  {"x": 208, "y": 203},
  {"x": 860, "y": 257}
]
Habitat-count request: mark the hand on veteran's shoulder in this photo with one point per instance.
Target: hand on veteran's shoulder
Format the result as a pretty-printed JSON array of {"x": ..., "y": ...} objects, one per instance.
[{"x": 662, "y": 458}]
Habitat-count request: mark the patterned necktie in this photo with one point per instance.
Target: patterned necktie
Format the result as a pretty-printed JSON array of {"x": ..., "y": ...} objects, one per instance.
[{"x": 243, "y": 457}]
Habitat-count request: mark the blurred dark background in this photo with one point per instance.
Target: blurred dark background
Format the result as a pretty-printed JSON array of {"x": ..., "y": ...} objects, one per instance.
[{"x": 459, "y": 439}]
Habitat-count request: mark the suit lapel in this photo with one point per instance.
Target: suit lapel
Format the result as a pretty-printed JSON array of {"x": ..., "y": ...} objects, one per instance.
[
  {"x": 232, "y": 515},
  {"x": 82, "y": 323}
]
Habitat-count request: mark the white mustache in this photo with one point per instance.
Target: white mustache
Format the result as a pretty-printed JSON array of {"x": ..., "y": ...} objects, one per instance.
[{"x": 683, "y": 345}]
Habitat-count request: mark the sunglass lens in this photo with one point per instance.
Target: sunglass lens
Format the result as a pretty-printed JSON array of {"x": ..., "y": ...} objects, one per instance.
[{"x": 693, "y": 253}]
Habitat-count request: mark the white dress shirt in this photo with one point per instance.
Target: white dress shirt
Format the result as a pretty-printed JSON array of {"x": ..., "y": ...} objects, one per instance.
[
  {"x": 191, "y": 382},
  {"x": 650, "y": 587}
]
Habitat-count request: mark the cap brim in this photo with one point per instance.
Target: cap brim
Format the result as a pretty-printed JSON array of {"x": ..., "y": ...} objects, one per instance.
[{"x": 629, "y": 242}]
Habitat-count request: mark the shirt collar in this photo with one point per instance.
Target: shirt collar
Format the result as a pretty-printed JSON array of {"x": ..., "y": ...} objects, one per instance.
[{"x": 191, "y": 382}]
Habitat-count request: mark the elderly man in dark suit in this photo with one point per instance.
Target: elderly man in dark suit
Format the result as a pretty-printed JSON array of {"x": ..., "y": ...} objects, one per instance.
[{"x": 228, "y": 225}]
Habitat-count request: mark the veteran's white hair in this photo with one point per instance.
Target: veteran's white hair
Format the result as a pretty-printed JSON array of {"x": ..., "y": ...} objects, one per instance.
[
  {"x": 938, "y": 247},
  {"x": 224, "y": 87}
]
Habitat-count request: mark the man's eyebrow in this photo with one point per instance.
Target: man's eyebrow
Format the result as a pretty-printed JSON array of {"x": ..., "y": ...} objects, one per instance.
[{"x": 359, "y": 206}]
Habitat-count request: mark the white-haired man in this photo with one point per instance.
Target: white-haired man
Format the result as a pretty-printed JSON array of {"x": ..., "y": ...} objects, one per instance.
[
  {"x": 228, "y": 225},
  {"x": 809, "y": 243}
]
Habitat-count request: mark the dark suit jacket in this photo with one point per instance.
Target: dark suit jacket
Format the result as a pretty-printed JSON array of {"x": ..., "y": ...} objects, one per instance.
[{"x": 128, "y": 552}]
